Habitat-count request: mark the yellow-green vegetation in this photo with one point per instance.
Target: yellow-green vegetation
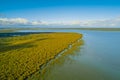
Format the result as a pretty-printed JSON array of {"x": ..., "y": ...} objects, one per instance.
[{"x": 21, "y": 56}]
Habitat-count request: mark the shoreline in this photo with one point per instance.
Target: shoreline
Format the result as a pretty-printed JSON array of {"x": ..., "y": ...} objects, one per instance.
[{"x": 70, "y": 46}]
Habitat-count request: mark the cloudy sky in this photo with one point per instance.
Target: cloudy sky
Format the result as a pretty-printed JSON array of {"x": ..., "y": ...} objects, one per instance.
[{"x": 72, "y": 13}]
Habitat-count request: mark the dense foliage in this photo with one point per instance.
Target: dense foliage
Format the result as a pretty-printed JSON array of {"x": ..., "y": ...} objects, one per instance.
[{"x": 21, "y": 56}]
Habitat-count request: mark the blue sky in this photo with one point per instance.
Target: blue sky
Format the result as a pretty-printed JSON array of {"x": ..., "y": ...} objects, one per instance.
[{"x": 60, "y": 11}]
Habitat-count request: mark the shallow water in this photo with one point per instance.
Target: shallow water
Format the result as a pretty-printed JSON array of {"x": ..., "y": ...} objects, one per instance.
[{"x": 97, "y": 59}]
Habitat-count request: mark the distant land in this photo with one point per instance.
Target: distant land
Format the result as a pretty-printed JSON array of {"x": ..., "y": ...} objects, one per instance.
[{"x": 2, "y": 30}]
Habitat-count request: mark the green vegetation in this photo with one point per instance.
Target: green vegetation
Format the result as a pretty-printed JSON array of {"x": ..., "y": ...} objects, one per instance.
[{"x": 21, "y": 56}]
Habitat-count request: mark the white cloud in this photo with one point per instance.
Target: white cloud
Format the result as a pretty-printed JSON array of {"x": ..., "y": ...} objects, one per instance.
[
  {"x": 88, "y": 23},
  {"x": 34, "y": 23},
  {"x": 13, "y": 21},
  {"x": 102, "y": 23},
  {"x": 20, "y": 21}
]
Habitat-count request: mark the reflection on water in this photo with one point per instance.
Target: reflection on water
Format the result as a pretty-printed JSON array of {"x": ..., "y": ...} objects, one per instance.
[{"x": 97, "y": 59}]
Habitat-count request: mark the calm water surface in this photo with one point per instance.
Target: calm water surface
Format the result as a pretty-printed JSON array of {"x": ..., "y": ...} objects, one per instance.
[{"x": 97, "y": 59}]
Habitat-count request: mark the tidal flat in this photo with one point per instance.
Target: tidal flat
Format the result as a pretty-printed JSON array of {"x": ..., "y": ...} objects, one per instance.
[{"x": 22, "y": 56}]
